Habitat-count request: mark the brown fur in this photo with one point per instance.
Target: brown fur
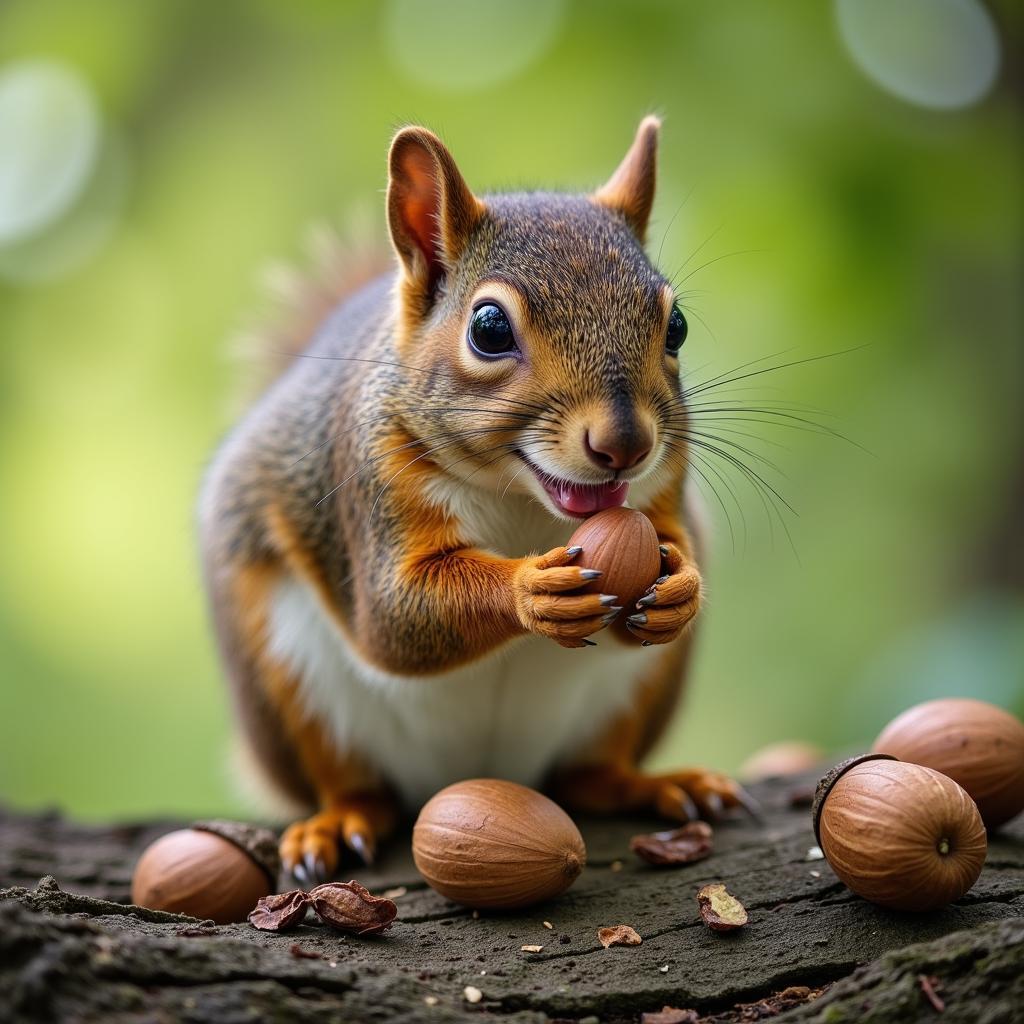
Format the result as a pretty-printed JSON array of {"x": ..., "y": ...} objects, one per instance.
[{"x": 330, "y": 477}]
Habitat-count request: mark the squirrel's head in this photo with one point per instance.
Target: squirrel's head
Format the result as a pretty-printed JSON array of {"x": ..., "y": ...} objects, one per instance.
[{"x": 544, "y": 341}]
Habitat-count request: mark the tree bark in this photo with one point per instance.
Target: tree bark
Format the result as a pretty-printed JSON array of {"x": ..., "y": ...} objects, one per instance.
[{"x": 72, "y": 949}]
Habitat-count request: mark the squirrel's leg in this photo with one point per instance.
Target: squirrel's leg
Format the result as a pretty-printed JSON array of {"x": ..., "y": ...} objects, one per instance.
[
  {"x": 607, "y": 779},
  {"x": 356, "y": 809}
]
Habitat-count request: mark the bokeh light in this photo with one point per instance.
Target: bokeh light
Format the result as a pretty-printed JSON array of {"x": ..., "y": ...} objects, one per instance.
[
  {"x": 197, "y": 141},
  {"x": 938, "y": 53},
  {"x": 49, "y": 142},
  {"x": 469, "y": 44}
]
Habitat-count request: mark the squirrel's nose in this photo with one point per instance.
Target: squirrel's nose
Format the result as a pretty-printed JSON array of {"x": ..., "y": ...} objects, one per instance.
[{"x": 617, "y": 450}]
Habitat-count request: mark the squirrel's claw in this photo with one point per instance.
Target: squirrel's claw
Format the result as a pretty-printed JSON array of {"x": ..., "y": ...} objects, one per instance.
[
  {"x": 674, "y": 802},
  {"x": 316, "y": 869},
  {"x": 748, "y": 803},
  {"x": 363, "y": 846}
]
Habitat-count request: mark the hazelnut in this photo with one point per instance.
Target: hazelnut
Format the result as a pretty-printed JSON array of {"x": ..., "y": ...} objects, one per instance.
[
  {"x": 978, "y": 745},
  {"x": 789, "y": 757},
  {"x": 491, "y": 843},
  {"x": 214, "y": 870},
  {"x": 900, "y": 835},
  {"x": 623, "y": 544}
]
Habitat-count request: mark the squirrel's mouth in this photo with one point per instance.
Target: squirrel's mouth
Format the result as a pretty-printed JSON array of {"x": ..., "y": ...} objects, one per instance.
[{"x": 580, "y": 500}]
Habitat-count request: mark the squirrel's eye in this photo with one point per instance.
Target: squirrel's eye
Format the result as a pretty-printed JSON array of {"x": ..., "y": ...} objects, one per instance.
[
  {"x": 490, "y": 333},
  {"x": 676, "y": 334}
]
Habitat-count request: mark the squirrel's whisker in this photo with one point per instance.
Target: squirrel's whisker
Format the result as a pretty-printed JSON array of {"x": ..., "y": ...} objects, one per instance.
[
  {"x": 682, "y": 266},
  {"x": 440, "y": 409},
  {"x": 755, "y": 478},
  {"x": 689, "y": 432},
  {"x": 503, "y": 447},
  {"x": 462, "y": 389},
  {"x": 695, "y": 460},
  {"x": 512, "y": 480},
  {"x": 708, "y": 263},
  {"x": 718, "y": 380},
  {"x": 776, "y": 418},
  {"x": 769, "y": 496},
  {"x": 452, "y": 435}
]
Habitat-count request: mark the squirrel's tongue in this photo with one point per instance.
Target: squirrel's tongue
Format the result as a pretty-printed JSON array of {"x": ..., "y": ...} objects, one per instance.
[{"x": 583, "y": 499}]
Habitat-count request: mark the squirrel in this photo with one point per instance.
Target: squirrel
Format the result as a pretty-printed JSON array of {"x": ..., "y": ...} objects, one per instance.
[{"x": 381, "y": 533}]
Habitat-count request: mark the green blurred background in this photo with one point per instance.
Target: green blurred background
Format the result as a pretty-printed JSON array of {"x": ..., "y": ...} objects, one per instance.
[{"x": 861, "y": 161}]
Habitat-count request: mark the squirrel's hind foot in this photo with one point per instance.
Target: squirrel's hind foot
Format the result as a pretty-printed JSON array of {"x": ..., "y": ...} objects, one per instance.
[
  {"x": 683, "y": 795},
  {"x": 311, "y": 850}
]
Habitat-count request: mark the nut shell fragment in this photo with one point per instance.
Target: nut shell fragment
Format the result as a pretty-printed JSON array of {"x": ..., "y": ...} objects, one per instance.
[
  {"x": 685, "y": 845},
  {"x": 349, "y": 907},
  {"x": 618, "y": 935},
  {"x": 719, "y": 909},
  {"x": 281, "y": 911}
]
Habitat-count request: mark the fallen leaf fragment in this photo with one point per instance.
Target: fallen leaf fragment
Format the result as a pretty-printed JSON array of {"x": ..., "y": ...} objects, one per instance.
[
  {"x": 278, "y": 912},
  {"x": 349, "y": 907},
  {"x": 472, "y": 995},
  {"x": 719, "y": 909},
  {"x": 670, "y": 1015},
  {"x": 531, "y": 949},
  {"x": 619, "y": 935},
  {"x": 683, "y": 845}
]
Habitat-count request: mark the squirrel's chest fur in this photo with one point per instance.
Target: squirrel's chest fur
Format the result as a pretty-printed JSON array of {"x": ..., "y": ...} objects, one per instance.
[{"x": 515, "y": 714}]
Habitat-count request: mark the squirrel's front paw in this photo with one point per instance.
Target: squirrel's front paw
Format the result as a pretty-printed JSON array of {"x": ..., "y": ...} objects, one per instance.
[
  {"x": 670, "y": 603},
  {"x": 545, "y": 609}
]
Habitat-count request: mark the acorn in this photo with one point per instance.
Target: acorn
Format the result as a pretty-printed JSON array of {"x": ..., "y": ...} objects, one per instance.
[
  {"x": 623, "y": 544},
  {"x": 976, "y": 744},
  {"x": 488, "y": 843},
  {"x": 897, "y": 834},
  {"x": 215, "y": 869}
]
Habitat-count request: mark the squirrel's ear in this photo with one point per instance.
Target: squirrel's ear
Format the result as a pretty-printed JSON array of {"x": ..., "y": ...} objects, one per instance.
[
  {"x": 630, "y": 190},
  {"x": 431, "y": 211}
]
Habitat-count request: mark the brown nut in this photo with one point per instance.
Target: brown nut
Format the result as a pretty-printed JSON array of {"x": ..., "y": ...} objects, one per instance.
[
  {"x": 200, "y": 872},
  {"x": 776, "y": 760},
  {"x": 897, "y": 834},
  {"x": 623, "y": 544},
  {"x": 978, "y": 745},
  {"x": 350, "y": 907},
  {"x": 491, "y": 843}
]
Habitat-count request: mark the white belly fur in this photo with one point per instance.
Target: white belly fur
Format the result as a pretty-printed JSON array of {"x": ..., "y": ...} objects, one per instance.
[{"x": 513, "y": 715}]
